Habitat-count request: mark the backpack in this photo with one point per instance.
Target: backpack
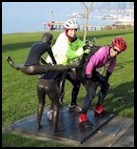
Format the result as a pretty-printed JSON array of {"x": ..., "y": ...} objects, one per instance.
[
  {"x": 86, "y": 57},
  {"x": 93, "y": 49}
]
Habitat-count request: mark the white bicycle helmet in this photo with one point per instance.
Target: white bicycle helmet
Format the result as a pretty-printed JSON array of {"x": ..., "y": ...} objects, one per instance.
[{"x": 71, "y": 24}]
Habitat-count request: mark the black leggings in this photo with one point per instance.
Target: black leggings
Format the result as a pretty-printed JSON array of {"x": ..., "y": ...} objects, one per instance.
[{"x": 91, "y": 87}]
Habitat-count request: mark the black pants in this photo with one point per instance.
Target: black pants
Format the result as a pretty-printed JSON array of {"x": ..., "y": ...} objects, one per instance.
[
  {"x": 91, "y": 87},
  {"x": 74, "y": 78}
]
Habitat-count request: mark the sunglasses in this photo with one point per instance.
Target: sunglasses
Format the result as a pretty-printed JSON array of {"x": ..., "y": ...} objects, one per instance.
[{"x": 116, "y": 50}]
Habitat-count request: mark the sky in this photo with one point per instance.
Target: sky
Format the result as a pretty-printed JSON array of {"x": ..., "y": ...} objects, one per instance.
[{"x": 29, "y": 16}]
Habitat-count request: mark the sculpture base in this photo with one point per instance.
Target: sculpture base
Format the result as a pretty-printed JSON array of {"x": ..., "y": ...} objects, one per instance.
[{"x": 68, "y": 132}]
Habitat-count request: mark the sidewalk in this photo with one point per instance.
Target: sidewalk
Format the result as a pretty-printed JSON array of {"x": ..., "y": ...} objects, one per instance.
[{"x": 118, "y": 132}]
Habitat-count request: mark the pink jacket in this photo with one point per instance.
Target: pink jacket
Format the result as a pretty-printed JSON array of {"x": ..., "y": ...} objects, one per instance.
[{"x": 100, "y": 59}]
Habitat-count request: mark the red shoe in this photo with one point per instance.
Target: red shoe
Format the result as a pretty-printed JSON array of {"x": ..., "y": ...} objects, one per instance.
[
  {"x": 84, "y": 122},
  {"x": 99, "y": 110}
]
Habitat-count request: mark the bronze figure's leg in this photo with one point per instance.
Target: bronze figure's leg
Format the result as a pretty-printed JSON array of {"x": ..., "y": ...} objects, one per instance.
[
  {"x": 62, "y": 86},
  {"x": 39, "y": 69},
  {"x": 54, "y": 95},
  {"x": 48, "y": 87},
  {"x": 41, "y": 101}
]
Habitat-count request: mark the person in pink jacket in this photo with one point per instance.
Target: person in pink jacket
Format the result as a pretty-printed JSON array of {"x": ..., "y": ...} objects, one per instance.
[{"x": 104, "y": 55}]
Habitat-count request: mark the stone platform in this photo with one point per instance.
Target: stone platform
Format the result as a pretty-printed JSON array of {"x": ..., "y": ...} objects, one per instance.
[{"x": 69, "y": 131}]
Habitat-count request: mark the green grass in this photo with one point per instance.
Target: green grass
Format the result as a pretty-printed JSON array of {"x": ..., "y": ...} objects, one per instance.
[
  {"x": 10, "y": 139},
  {"x": 19, "y": 96}
]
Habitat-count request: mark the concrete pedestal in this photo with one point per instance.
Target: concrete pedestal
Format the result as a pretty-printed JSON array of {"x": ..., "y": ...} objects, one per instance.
[{"x": 69, "y": 130}]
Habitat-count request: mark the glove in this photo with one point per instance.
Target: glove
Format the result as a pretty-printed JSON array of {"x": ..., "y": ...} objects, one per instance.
[
  {"x": 87, "y": 51},
  {"x": 99, "y": 78},
  {"x": 102, "y": 79},
  {"x": 108, "y": 75}
]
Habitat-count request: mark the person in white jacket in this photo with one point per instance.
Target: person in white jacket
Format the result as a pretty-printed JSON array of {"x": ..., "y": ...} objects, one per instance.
[
  {"x": 68, "y": 46},
  {"x": 67, "y": 49}
]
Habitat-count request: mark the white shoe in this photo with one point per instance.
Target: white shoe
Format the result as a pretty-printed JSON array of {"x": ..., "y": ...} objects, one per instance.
[
  {"x": 75, "y": 108},
  {"x": 50, "y": 114}
]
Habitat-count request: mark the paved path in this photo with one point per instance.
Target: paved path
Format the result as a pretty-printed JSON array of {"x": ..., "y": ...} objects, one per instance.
[{"x": 118, "y": 132}]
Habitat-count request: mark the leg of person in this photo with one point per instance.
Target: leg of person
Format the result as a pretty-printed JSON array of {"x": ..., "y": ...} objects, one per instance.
[
  {"x": 71, "y": 76},
  {"x": 91, "y": 92},
  {"x": 99, "y": 110},
  {"x": 12, "y": 64},
  {"x": 51, "y": 88},
  {"x": 56, "y": 110},
  {"x": 50, "y": 113},
  {"x": 62, "y": 93},
  {"x": 54, "y": 95},
  {"x": 52, "y": 82},
  {"x": 27, "y": 69},
  {"x": 41, "y": 102},
  {"x": 53, "y": 68},
  {"x": 39, "y": 69},
  {"x": 61, "y": 82}
]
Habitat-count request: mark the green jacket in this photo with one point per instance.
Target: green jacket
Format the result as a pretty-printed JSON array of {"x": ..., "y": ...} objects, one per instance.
[{"x": 66, "y": 52}]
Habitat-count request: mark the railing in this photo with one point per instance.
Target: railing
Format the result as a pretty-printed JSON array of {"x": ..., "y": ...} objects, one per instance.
[{"x": 60, "y": 26}]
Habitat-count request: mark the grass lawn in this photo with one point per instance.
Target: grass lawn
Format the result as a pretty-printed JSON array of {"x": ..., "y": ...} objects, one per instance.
[{"x": 19, "y": 94}]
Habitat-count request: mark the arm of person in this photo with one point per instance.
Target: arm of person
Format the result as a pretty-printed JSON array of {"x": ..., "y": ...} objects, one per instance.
[
  {"x": 75, "y": 54},
  {"x": 92, "y": 64},
  {"x": 51, "y": 55},
  {"x": 60, "y": 49},
  {"x": 110, "y": 68},
  {"x": 76, "y": 50},
  {"x": 43, "y": 61}
]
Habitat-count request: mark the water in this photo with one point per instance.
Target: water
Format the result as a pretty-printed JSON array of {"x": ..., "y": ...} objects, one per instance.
[{"x": 29, "y": 16}]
